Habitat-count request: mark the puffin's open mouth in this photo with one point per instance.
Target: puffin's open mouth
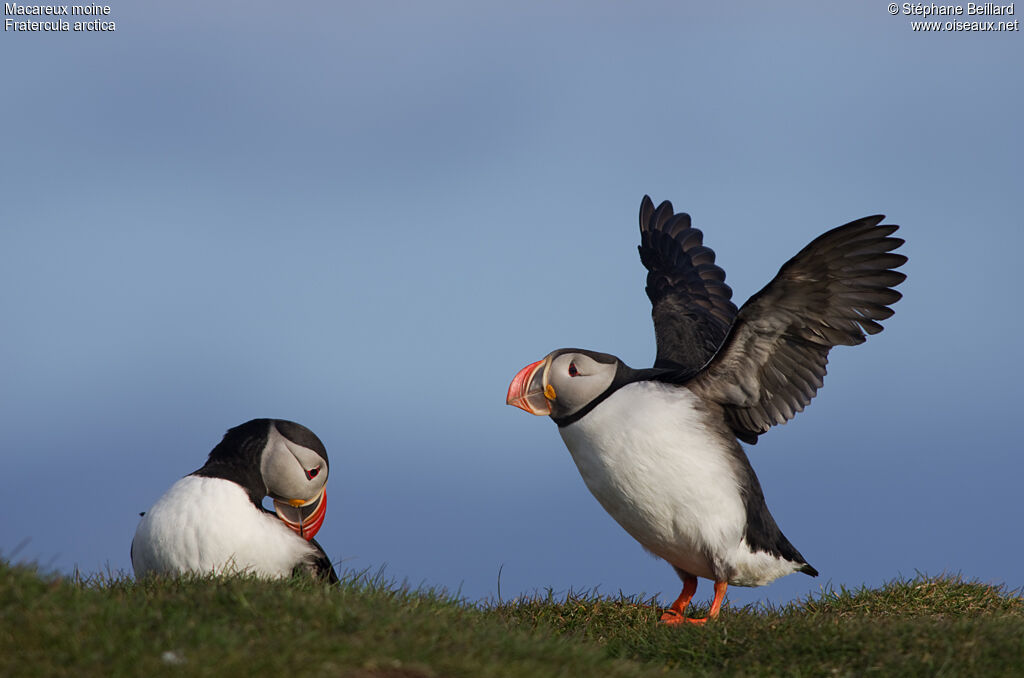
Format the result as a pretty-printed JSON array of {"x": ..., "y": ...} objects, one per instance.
[
  {"x": 305, "y": 518},
  {"x": 527, "y": 390}
]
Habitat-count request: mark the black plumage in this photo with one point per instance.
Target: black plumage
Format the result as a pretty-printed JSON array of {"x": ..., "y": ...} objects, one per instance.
[
  {"x": 833, "y": 292},
  {"x": 690, "y": 302},
  {"x": 766, "y": 362}
]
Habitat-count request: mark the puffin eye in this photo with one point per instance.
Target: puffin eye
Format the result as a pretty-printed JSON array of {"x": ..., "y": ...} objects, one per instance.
[
  {"x": 312, "y": 473},
  {"x": 573, "y": 372}
]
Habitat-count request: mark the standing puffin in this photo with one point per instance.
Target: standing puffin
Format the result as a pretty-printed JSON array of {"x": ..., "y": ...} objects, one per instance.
[
  {"x": 659, "y": 447},
  {"x": 213, "y": 520}
]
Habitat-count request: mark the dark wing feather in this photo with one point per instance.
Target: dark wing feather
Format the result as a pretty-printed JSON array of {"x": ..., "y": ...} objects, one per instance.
[
  {"x": 690, "y": 302},
  {"x": 833, "y": 292},
  {"x": 321, "y": 567}
]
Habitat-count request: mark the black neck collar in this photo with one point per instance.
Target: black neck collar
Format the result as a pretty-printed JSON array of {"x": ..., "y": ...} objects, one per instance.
[{"x": 624, "y": 374}]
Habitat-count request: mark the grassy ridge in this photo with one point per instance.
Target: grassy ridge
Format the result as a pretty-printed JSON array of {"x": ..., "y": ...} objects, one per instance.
[{"x": 51, "y": 626}]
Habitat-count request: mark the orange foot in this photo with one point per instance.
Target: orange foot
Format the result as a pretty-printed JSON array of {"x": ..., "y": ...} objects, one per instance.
[{"x": 674, "y": 614}]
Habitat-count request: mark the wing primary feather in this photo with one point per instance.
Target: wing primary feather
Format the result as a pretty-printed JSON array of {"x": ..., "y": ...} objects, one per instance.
[
  {"x": 691, "y": 305},
  {"x": 773, "y": 359}
]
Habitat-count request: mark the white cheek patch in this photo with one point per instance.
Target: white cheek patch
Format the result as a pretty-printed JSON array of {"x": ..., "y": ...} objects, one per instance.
[
  {"x": 290, "y": 471},
  {"x": 576, "y": 392}
]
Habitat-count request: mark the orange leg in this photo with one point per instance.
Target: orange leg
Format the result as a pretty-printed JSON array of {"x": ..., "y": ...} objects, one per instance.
[{"x": 674, "y": 615}]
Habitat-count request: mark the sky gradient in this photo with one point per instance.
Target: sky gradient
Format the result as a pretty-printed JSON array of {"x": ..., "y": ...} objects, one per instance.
[{"x": 366, "y": 217}]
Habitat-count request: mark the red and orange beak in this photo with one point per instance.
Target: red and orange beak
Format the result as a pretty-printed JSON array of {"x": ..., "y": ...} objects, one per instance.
[
  {"x": 305, "y": 518},
  {"x": 527, "y": 391}
]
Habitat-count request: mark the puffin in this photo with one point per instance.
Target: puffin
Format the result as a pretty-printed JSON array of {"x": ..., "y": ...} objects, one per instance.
[
  {"x": 660, "y": 447},
  {"x": 212, "y": 521}
]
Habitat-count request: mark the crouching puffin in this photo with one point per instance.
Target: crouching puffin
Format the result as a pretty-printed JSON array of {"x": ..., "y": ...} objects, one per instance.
[
  {"x": 213, "y": 520},
  {"x": 659, "y": 447}
]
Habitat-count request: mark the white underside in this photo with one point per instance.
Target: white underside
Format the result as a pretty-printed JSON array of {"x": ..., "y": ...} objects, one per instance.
[
  {"x": 208, "y": 525},
  {"x": 662, "y": 475}
]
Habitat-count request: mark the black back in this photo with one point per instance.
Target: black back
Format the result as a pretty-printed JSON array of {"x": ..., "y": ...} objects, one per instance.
[{"x": 237, "y": 458}]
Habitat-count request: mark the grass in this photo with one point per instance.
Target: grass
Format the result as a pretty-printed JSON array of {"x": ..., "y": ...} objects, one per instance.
[{"x": 370, "y": 628}]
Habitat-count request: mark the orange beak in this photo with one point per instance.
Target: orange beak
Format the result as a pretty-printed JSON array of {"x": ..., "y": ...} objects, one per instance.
[
  {"x": 527, "y": 390},
  {"x": 304, "y": 518}
]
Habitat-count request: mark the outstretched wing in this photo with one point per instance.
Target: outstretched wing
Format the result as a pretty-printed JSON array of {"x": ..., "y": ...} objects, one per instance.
[
  {"x": 690, "y": 302},
  {"x": 833, "y": 292}
]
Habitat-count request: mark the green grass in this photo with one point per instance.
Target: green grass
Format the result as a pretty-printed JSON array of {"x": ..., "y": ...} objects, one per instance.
[{"x": 369, "y": 628}]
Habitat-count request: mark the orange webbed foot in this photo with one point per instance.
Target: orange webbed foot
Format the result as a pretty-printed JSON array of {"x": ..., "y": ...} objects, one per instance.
[
  {"x": 671, "y": 617},
  {"x": 674, "y": 615}
]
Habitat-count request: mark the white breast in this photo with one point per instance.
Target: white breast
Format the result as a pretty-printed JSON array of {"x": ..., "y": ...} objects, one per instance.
[
  {"x": 648, "y": 458},
  {"x": 209, "y": 525}
]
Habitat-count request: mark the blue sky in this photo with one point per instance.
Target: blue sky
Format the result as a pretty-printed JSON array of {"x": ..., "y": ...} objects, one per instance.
[{"x": 366, "y": 217}]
